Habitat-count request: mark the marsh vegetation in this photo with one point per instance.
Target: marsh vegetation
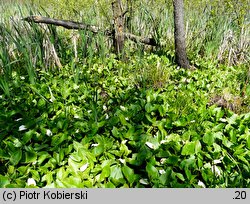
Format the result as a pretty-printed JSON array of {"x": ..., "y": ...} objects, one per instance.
[{"x": 74, "y": 114}]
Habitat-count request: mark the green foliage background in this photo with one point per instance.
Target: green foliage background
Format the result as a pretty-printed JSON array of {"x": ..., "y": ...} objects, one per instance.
[{"x": 97, "y": 121}]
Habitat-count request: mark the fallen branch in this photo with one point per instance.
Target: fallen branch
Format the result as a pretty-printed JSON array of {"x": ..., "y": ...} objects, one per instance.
[
  {"x": 145, "y": 40},
  {"x": 81, "y": 26},
  {"x": 64, "y": 23}
]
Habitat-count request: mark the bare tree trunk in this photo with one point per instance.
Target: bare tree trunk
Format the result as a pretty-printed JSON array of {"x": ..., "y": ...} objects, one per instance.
[
  {"x": 179, "y": 34},
  {"x": 119, "y": 21}
]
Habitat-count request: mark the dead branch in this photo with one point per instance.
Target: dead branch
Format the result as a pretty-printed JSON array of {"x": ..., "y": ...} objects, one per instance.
[
  {"x": 64, "y": 23},
  {"x": 145, "y": 40},
  {"x": 81, "y": 26}
]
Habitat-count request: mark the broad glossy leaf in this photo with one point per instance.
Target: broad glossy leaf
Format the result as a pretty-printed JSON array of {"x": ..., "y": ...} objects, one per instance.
[
  {"x": 164, "y": 179},
  {"x": 110, "y": 185},
  {"x": 76, "y": 156},
  {"x": 77, "y": 145},
  {"x": 16, "y": 142},
  {"x": 3, "y": 154},
  {"x": 4, "y": 181},
  {"x": 180, "y": 176},
  {"x": 35, "y": 175},
  {"x": 60, "y": 124},
  {"x": 48, "y": 177},
  {"x": 190, "y": 162},
  {"x": 105, "y": 173},
  {"x": 23, "y": 169},
  {"x": 247, "y": 116},
  {"x": 12, "y": 185},
  {"x": 217, "y": 148},
  {"x": 73, "y": 182},
  {"x": 130, "y": 134},
  {"x": 189, "y": 148},
  {"x": 98, "y": 150},
  {"x": 219, "y": 114},
  {"x": 226, "y": 142},
  {"x": 15, "y": 156},
  {"x": 208, "y": 138},
  {"x": 149, "y": 107},
  {"x": 218, "y": 127},
  {"x": 75, "y": 166},
  {"x": 27, "y": 136},
  {"x": 115, "y": 132},
  {"x": 197, "y": 146},
  {"x": 61, "y": 173},
  {"x": 41, "y": 103},
  {"x": 129, "y": 174},
  {"x": 181, "y": 122},
  {"x": 172, "y": 160},
  {"x": 152, "y": 171},
  {"x": 58, "y": 139},
  {"x": 61, "y": 184},
  {"x": 124, "y": 149},
  {"x": 30, "y": 156},
  {"x": 42, "y": 156},
  {"x": 234, "y": 119},
  {"x": 116, "y": 174},
  {"x": 123, "y": 119},
  {"x": 163, "y": 109}
]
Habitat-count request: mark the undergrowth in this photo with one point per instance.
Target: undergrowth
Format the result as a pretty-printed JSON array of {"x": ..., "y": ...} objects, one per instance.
[{"x": 74, "y": 115}]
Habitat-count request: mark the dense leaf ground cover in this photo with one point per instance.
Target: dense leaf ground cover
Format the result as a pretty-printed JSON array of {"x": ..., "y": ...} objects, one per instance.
[
  {"x": 111, "y": 130},
  {"x": 103, "y": 122}
]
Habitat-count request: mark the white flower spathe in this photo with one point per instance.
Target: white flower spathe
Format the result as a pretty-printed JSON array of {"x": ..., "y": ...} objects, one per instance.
[
  {"x": 48, "y": 132},
  {"x": 94, "y": 145},
  {"x": 122, "y": 108},
  {"x": 217, "y": 161},
  {"x": 75, "y": 86},
  {"x": 84, "y": 167},
  {"x": 162, "y": 171},
  {"x": 163, "y": 141},
  {"x": 216, "y": 170},
  {"x": 124, "y": 141},
  {"x": 223, "y": 120},
  {"x": 31, "y": 181},
  {"x": 51, "y": 100},
  {"x": 201, "y": 184},
  {"x": 21, "y": 128},
  {"x": 106, "y": 116},
  {"x": 163, "y": 160},
  {"x": 76, "y": 116},
  {"x": 122, "y": 161},
  {"x": 150, "y": 145},
  {"x": 144, "y": 181}
]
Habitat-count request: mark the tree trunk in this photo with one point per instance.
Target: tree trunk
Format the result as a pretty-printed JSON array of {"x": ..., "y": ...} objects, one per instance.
[
  {"x": 119, "y": 21},
  {"x": 179, "y": 34}
]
